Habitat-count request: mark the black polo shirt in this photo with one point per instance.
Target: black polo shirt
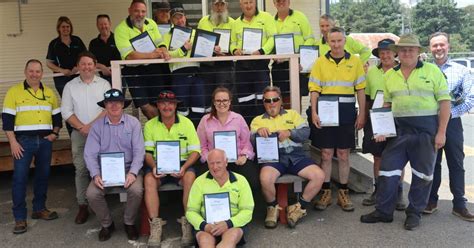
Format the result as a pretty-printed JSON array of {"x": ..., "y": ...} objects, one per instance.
[
  {"x": 65, "y": 56},
  {"x": 104, "y": 51}
]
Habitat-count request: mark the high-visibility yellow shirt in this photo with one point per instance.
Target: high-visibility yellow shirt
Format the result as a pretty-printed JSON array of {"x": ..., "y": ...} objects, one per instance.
[
  {"x": 126, "y": 31},
  {"x": 419, "y": 94},
  {"x": 262, "y": 20},
  {"x": 352, "y": 46},
  {"x": 179, "y": 52},
  {"x": 374, "y": 81},
  {"x": 296, "y": 23}
]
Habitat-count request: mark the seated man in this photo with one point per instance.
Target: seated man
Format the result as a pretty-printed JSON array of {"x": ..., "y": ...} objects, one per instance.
[
  {"x": 115, "y": 132},
  {"x": 169, "y": 126},
  {"x": 228, "y": 233},
  {"x": 292, "y": 131}
]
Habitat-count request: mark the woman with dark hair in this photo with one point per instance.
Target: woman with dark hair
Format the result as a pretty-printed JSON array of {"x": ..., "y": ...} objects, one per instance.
[
  {"x": 222, "y": 118},
  {"x": 63, "y": 52}
]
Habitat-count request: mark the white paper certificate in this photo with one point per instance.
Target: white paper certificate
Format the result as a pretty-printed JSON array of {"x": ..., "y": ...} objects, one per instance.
[
  {"x": 267, "y": 149},
  {"x": 308, "y": 55},
  {"x": 217, "y": 207},
  {"x": 112, "y": 168},
  {"x": 224, "y": 41},
  {"x": 204, "y": 43},
  {"x": 378, "y": 101},
  {"x": 252, "y": 40},
  {"x": 168, "y": 158},
  {"x": 143, "y": 43},
  {"x": 227, "y": 141},
  {"x": 383, "y": 122},
  {"x": 164, "y": 28},
  {"x": 179, "y": 37},
  {"x": 284, "y": 44},
  {"x": 328, "y": 111}
]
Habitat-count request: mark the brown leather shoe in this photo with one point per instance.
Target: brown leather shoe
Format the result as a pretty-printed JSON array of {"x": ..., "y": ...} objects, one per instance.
[
  {"x": 106, "y": 232},
  {"x": 131, "y": 231},
  {"x": 83, "y": 214},
  {"x": 463, "y": 214},
  {"x": 45, "y": 214},
  {"x": 430, "y": 208},
  {"x": 20, "y": 227}
]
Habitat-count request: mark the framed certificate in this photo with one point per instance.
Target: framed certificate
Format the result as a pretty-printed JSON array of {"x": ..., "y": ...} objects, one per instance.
[
  {"x": 168, "y": 157},
  {"x": 204, "y": 43},
  {"x": 308, "y": 55},
  {"x": 217, "y": 207},
  {"x": 227, "y": 141},
  {"x": 143, "y": 43},
  {"x": 179, "y": 36},
  {"x": 224, "y": 41},
  {"x": 164, "y": 28},
  {"x": 251, "y": 40},
  {"x": 284, "y": 44},
  {"x": 382, "y": 122},
  {"x": 378, "y": 101},
  {"x": 267, "y": 149},
  {"x": 328, "y": 111},
  {"x": 112, "y": 168}
]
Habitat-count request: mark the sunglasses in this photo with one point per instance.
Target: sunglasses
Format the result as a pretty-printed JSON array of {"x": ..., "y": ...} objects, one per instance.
[
  {"x": 271, "y": 100},
  {"x": 114, "y": 94},
  {"x": 167, "y": 95}
]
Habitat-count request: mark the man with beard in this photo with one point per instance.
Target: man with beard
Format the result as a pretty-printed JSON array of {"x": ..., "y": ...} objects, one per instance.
[{"x": 142, "y": 80}]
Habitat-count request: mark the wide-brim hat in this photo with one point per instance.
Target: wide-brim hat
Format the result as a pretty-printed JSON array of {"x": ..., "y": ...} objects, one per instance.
[
  {"x": 383, "y": 44},
  {"x": 407, "y": 40},
  {"x": 114, "y": 95},
  {"x": 167, "y": 96}
]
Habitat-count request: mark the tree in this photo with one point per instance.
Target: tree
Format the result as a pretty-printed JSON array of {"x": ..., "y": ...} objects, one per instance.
[{"x": 467, "y": 29}]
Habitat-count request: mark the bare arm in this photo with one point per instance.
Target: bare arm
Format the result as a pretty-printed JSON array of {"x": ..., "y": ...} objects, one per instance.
[{"x": 443, "y": 118}]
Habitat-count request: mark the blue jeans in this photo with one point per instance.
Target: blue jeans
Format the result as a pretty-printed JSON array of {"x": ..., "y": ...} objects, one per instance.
[
  {"x": 40, "y": 149},
  {"x": 453, "y": 151}
]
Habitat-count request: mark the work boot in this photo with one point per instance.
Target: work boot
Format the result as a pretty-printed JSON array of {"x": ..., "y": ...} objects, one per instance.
[
  {"x": 324, "y": 201},
  {"x": 344, "y": 200},
  {"x": 83, "y": 214},
  {"x": 20, "y": 227},
  {"x": 154, "y": 241},
  {"x": 369, "y": 201},
  {"x": 401, "y": 205},
  {"x": 294, "y": 213},
  {"x": 44, "y": 214},
  {"x": 272, "y": 216},
  {"x": 187, "y": 238},
  {"x": 463, "y": 214},
  {"x": 375, "y": 217},
  {"x": 412, "y": 221}
]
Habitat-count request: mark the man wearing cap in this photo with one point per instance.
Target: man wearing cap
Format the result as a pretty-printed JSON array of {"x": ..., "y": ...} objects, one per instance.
[
  {"x": 460, "y": 87},
  {"x": 169, "y": 126},
  {"x": 420, "y": 102},
  {"x": 31, "y": 120},
  {"x": 161, "y": 12},
  {"x": 144, "y": 81},
  {"x": 375, "y": 84},
  {"x": 340, "y": 75},
  {"x": 115, "y": 132},
  {"x": 326, "y": 22}
]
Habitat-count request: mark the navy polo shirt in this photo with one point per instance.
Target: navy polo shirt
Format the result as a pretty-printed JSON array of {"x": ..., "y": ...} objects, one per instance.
[
  {"x": 63, "y": 55},
  {"x": 104, "y": 51}
]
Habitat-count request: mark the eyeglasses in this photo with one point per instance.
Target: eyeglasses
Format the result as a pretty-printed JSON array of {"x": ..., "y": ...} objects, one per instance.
[
  {"x": 271, "y": 100},
  {"x": 223, "y": 101},
  {"x": 167, "y": 95},
  {"x": 114, "y": 94}
]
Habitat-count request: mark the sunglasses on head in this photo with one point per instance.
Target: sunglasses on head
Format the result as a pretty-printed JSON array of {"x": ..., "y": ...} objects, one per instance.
[
  {"x": 114, "y": 94},
  {"x": 271, "y": 100},
  {"x": 167, "y": 95}
]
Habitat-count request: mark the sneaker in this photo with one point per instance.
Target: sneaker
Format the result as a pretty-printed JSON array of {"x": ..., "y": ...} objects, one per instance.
[
  {"x": 294, "y": 214},
  {"x": 430, "y": 208},
  {"x": 344, "y": 200},
  {"x": 412, "y": 221},
  {"x": 463, "y": 214},
  {"x": 369, "y": 201},
  {"x": 271, "y": 219},
  {"x": 375, "y": 217},
  {"x": 20, "y": 227},
  {"x": 324, "y": 201},
  {"x": 155, "y": 232},
  {"x": 187, "y": 238},
  {"x": 44, "y": 214}
]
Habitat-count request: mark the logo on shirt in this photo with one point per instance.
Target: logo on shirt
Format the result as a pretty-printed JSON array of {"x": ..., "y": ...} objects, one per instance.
[{"x": 289, "y": 122}]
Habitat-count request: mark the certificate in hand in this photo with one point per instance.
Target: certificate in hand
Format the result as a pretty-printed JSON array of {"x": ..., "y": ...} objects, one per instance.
[
  {"x": 168, "y": 157},
  {"x": 164, "y": 28},
  {"x": 308, "y": 55},
  {"x": 204, "y": 43},
  {"x": 378, "y": 101},
  {"x": 224, "y": 41},
  {"x": 143, "y": 43},
  {"x": 179, "y": 36},
  {"x": 328, "y": 111},
  {"x": 112, "y": 168},
  {"x": 251, "y": 40},
  {"x": 383, "y": 122},
  {"x": 227, "y": 141},
  {"x": 217, "y": 207},
  {"x": 284, "y": 44},
  {"x": 267, "y": 149}
]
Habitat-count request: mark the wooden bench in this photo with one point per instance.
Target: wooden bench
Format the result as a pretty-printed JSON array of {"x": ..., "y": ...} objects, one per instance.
[{"x": 282, "y": 192}]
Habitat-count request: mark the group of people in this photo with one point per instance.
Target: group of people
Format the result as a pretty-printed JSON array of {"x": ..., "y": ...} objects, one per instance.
[{"x": 426, "y": 106}]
